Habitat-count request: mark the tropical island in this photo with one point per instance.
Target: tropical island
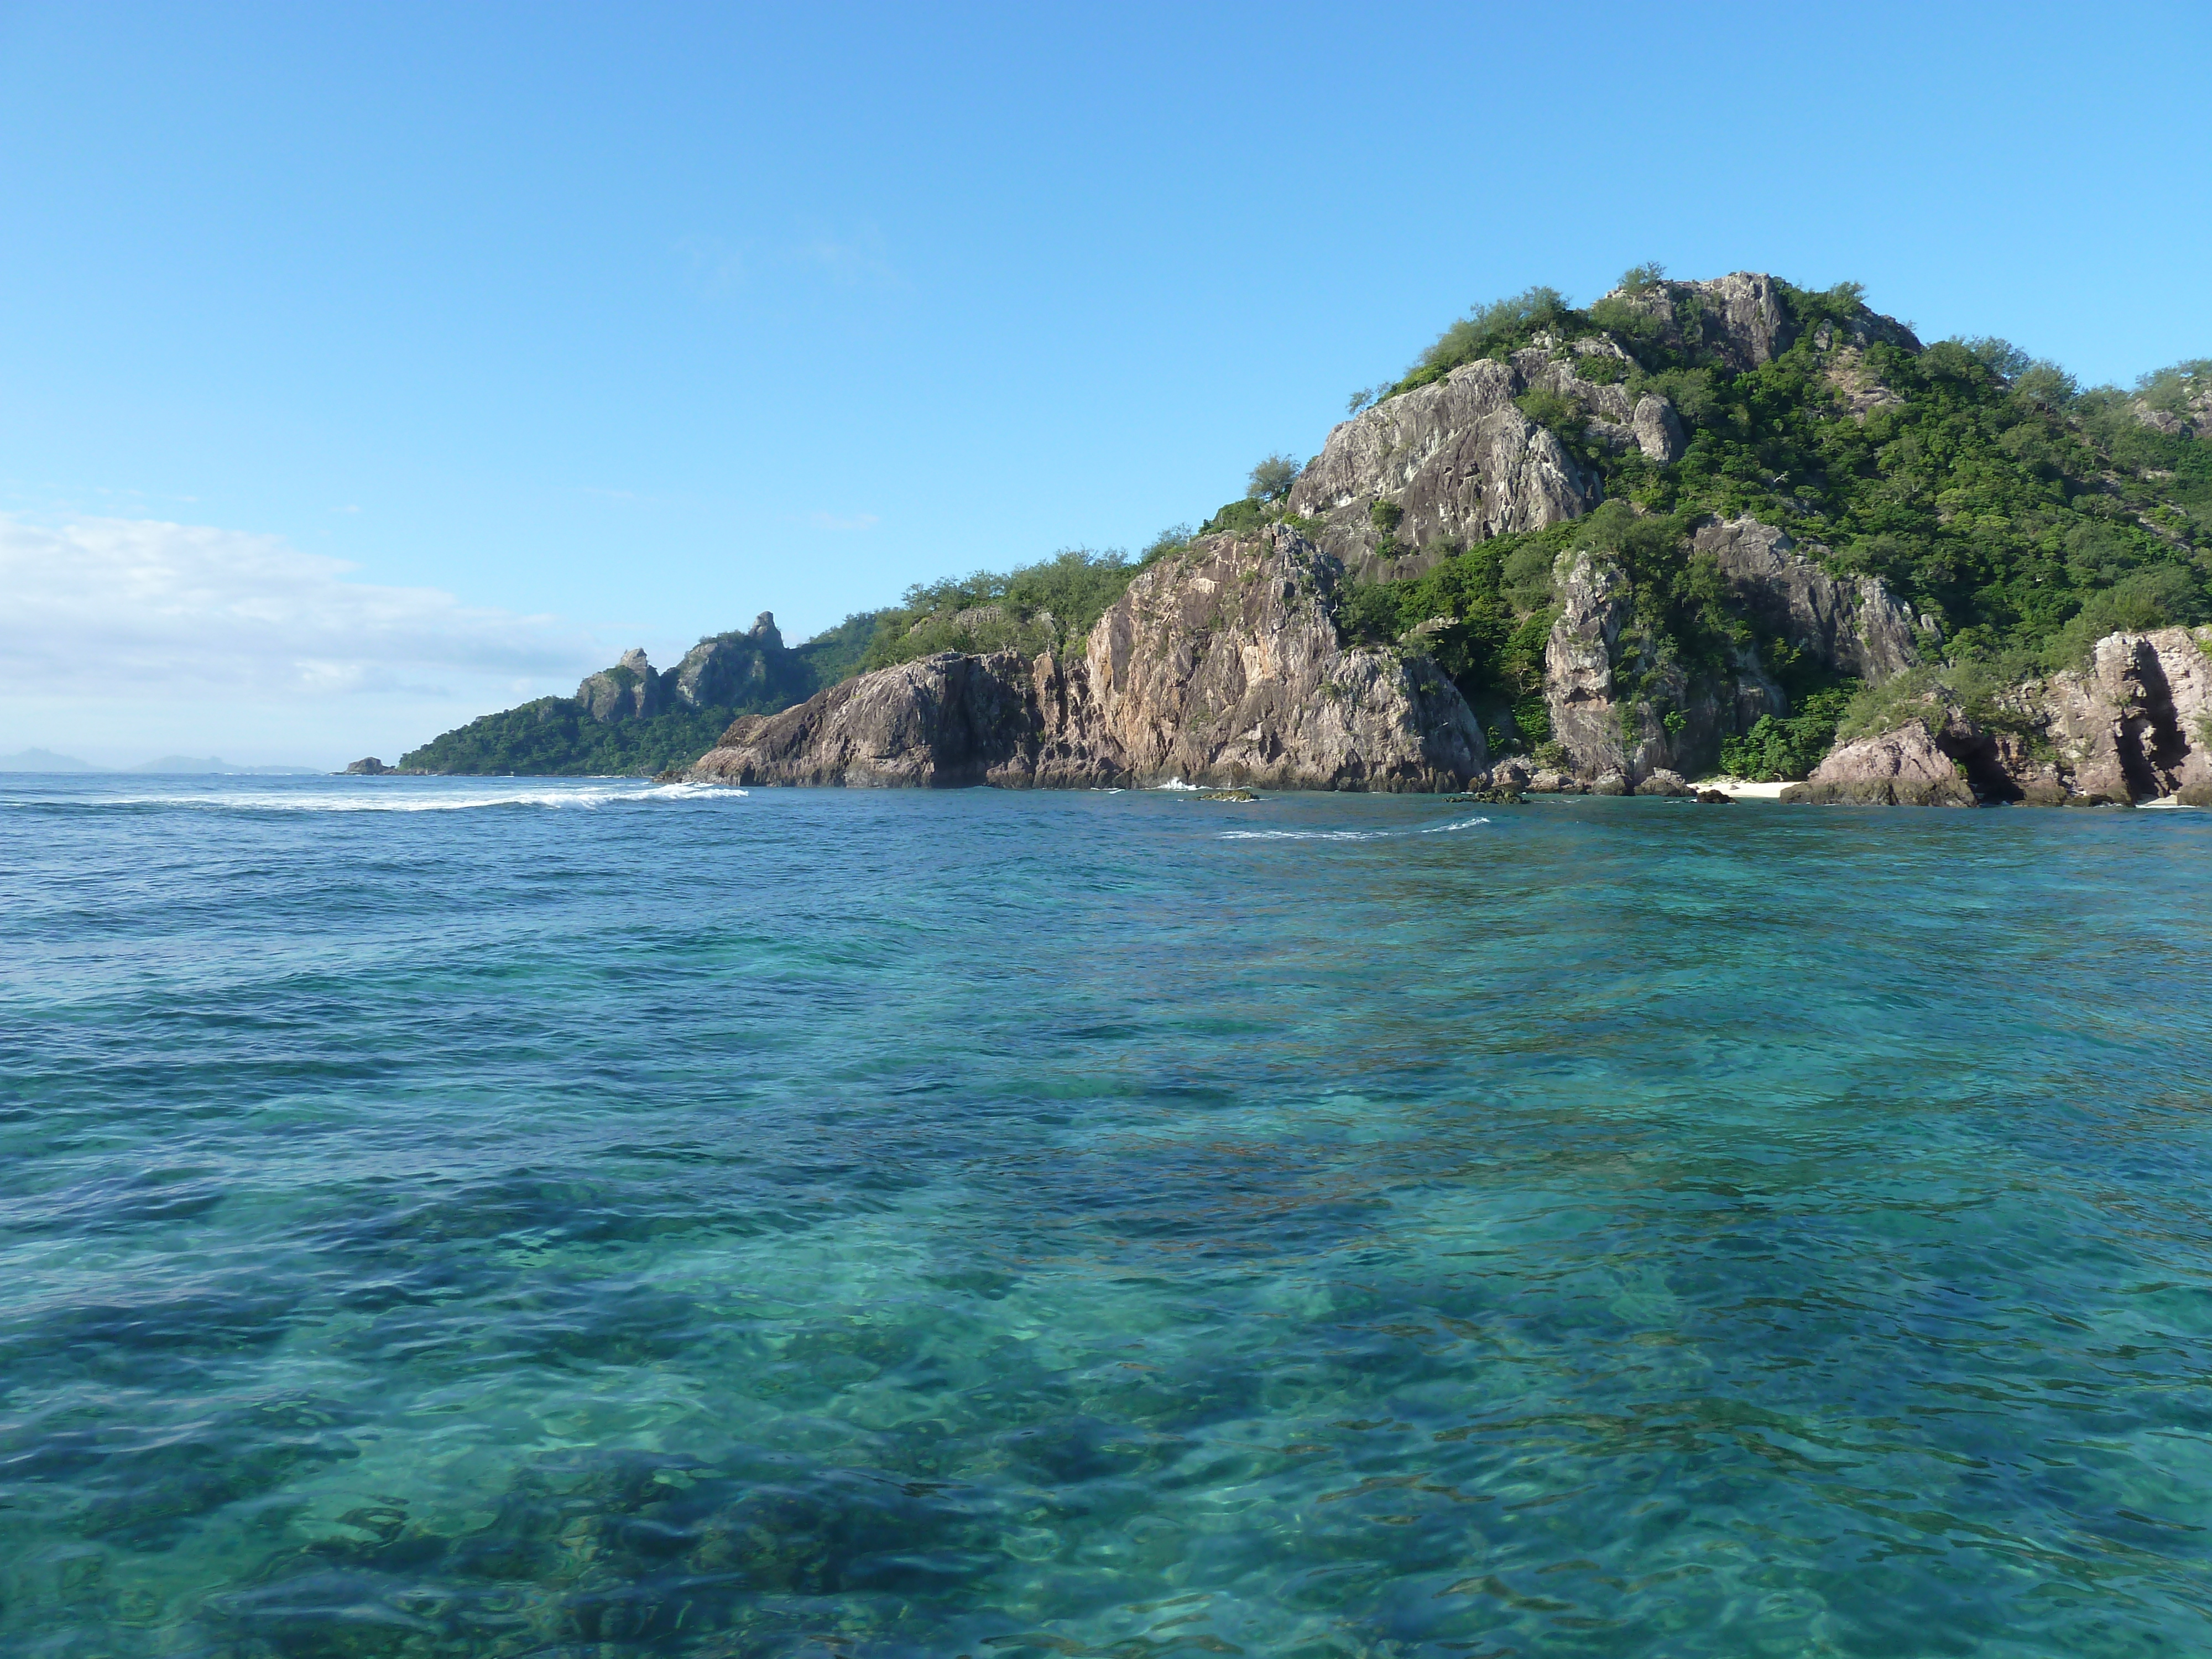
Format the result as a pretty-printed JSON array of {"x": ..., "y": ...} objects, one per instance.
[{"x": 1699, "y": 526}]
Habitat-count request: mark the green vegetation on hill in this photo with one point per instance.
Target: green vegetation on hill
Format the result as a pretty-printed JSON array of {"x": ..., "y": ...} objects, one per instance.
[
  {"x": 2027, "y": 515},
  {"x": 556, "y": 738},
  {"x": 1038, "y": 607},
  {"x": 563, "y": 736}
]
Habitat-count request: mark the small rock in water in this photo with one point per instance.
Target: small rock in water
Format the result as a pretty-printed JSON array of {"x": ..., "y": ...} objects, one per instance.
[
  {"x": 370, "y": 767},
  {"x": 1713, "y": 798},
  {"x": 1228, "y": 794},
  {"x": 1505, "y": 797}
]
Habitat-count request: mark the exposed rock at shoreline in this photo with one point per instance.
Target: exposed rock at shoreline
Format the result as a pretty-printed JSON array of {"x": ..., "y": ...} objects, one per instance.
[
  {"x": 1223, "y": 664},
  {"x": 1902, "y": 768},
  {"x": 369, "y": 767},
  {"x": 1853, "y": 626},
  {"x": 2134, "y": 724}
]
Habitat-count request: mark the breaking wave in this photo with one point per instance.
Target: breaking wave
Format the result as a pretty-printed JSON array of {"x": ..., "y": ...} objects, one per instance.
[
  {"x": 1345, "y": 835},
  {"x": 400, "y": 799}
]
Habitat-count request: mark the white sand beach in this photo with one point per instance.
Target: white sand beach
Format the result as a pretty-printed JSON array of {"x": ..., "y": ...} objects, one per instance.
[{"x": 1741, "y": 788}]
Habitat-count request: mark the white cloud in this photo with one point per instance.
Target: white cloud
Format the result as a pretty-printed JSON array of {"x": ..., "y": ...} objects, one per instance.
[{"x": 122, "y": 625}]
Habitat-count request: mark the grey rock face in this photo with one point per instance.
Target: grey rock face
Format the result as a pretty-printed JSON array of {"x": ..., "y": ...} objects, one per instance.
[
  {"x": 1602, "y": 730},
  {"x": 1855, "y": 625},
  {"x": 1458, "y": 461},
  {"x": 1578, "y": 659},
  {"x": 1223, "y": 666},
  {"x": 631, "y": 690},
  {"x": 1658, "y": 430},
  {"x": 1740, "y": 318},
  {"x": 369, "y": 767},
  {"x": 1741, "y": 321},
  {"x": 943, "y": 720},
  {"x": 2134, "y": 725},
  {"x": 730, "y": 670},
  {"x": 1902, "y": 768},
  {"x": 1227, "y": 666}
]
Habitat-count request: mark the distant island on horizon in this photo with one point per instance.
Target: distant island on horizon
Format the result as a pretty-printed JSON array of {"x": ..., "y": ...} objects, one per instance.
[
  {"x": 1698, "y": 526},
  {"x": 46, "y": 760}
]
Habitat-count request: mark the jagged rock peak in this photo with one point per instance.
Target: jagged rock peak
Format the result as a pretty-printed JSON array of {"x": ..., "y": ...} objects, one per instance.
[
  {"x": 1743, "y": 319},
  {"x": 631, "y": 690},
  {"x": 1455, "y": 461}
]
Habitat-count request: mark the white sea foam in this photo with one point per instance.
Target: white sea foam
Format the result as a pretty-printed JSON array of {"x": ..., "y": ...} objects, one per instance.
[
  {"x": 1345, "y": 835},
  {"x": 399, "y": 798}
]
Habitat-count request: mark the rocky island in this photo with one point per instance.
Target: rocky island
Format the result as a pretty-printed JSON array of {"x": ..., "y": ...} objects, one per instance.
[{"x": 1722, "y": 524}]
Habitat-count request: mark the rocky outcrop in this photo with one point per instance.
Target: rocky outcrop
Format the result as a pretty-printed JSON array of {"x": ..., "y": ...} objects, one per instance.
[
  {"x": 1905, "y": 767},
  {"x": 1449, "y": 462},
  {"x": 1658, "y": 430},
  {"x": 2191, "y": 416},
  {"x": 1615, "y": 711},
  {"x": 2134, "y": 724},
  {"x": 631, "y": 690},
  {"x": 369, "y": 767},
  {"x": 1741, "y": 321},
  {"x": 1855, "y": 625},
  {"x": 1459, "y": 460},
  {"x": 942, "y": 721},
  {"x": 735, "y": 669},
  {"x": 1223, "y": 664},
  {"x": 1610, "y": 729}
]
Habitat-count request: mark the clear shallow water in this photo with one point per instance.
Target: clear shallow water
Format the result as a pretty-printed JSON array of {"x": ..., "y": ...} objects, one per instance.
[{"x": 591, "y": 1220}]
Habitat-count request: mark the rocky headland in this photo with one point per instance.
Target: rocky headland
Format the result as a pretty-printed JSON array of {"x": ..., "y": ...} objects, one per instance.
[
  {"x": 1729, "y": 526},
  {"x": 1225, "y": 663}
]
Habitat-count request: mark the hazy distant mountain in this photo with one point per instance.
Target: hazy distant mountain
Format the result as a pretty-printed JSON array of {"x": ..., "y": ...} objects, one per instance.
[
  {"x": 185, "y": 766},
  {"x": 44, "y": 760}
]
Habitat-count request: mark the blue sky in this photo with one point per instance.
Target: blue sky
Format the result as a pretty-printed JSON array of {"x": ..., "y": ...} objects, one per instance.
[{"x": 570, "y": 328}]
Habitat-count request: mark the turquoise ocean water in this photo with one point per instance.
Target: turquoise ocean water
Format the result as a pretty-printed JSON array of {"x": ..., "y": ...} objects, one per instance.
[{"x": 456, "y": 1217}]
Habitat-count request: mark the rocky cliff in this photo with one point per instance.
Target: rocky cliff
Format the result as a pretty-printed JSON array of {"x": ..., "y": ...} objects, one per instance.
[
  {"x": 2134, "y": 725},
  {"x": 1463, "y": 459},
  {"x": 726, "y": 670},
  {"x": 1226, "y": 663},
  {"x": 1673, "y": 719},
  {"x": 1572, "y": 522}
]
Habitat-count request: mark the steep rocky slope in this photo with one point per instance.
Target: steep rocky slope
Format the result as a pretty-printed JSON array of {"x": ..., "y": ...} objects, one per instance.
[
  {"x": 1224, "y": 664},
  {"x": 634, "y": 718},
  {"x": 2134, "y": 725},
  {"x": 1852, "y": 627},
  {"x": 1695, "y": 525}
]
